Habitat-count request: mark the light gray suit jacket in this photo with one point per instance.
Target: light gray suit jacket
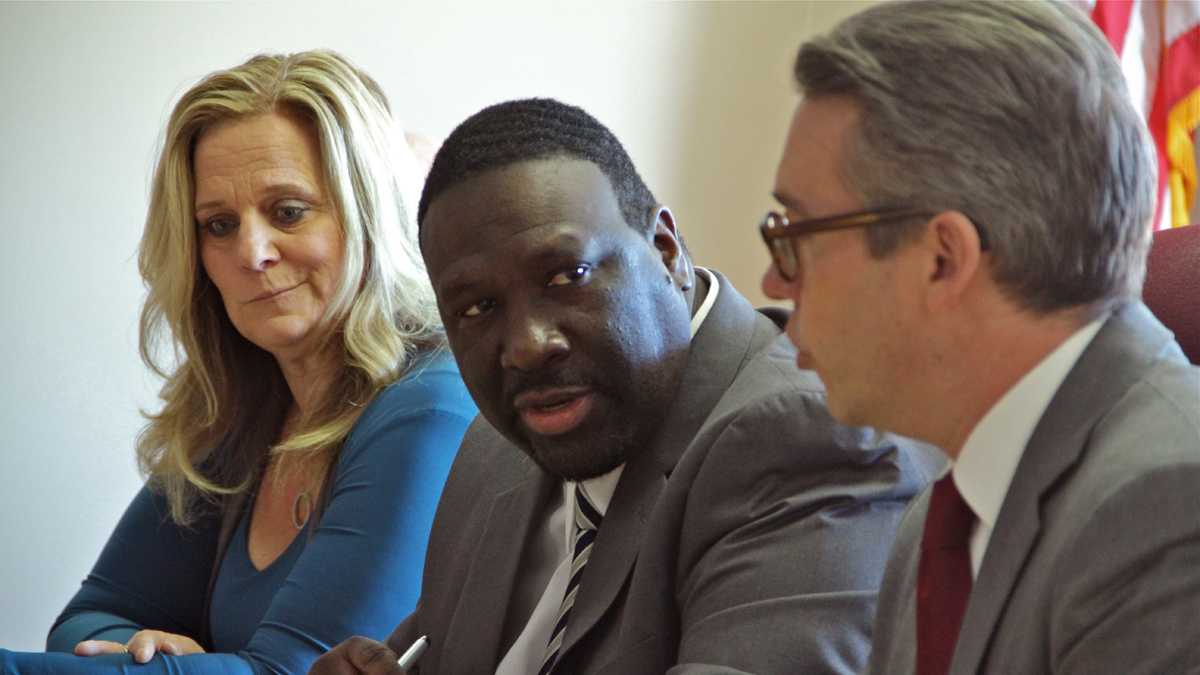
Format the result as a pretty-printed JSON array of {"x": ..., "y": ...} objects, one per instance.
[
  {"x": 1094, "y": 563},
  {"x": 751, "y": 535}
]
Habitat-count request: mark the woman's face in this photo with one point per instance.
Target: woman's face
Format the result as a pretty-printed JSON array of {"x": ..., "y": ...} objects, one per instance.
[{"x": 269, "y": 235}]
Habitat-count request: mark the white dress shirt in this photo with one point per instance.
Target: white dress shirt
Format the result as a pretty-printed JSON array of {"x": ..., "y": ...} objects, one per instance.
[
  {"x": 526, "y": 654},
  {"x": 984, "y": 469}
]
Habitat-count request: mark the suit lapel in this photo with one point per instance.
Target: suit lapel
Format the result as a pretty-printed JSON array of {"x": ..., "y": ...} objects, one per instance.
[
  {"x": 717, "y": 352},
  {"x": 615, "y": 548},
  {"x": 1116, "y": 359},
  {"x": 476, "y": 626}
]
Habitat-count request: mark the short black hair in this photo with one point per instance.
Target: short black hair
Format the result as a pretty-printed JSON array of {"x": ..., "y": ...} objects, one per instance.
[{"x": 537, "y": 128}]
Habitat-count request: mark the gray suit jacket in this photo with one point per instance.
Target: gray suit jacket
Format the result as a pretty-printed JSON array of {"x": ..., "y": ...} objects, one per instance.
[
  {"x": 1094, "y": 563},
  {"x": 751, "y": 535}
]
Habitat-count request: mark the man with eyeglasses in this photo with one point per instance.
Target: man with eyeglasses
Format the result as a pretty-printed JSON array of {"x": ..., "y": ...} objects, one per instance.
[{"x": 966, "y": 198}]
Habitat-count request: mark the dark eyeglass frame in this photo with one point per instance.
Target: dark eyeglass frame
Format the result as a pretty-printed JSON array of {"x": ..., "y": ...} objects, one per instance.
[{"x": 778, "y": 232}]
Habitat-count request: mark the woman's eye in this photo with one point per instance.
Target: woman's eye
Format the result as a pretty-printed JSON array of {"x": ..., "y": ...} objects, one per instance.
[
  {"x": 478, "y": 309},
  {"x": 219, "y": 226},
  {"x": 573, "y": 275},
  {"x": 289, "y": 213}
]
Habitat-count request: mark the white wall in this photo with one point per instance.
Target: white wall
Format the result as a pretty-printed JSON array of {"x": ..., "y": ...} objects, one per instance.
[{"x": 699, "y": 93}]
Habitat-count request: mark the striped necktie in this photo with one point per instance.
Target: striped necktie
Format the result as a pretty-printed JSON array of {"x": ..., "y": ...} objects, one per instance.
[{"x": 587, "y": 521}]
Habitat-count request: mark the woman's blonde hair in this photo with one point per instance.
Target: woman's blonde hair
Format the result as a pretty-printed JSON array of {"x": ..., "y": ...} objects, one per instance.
[{"x": 225, "y": 399}]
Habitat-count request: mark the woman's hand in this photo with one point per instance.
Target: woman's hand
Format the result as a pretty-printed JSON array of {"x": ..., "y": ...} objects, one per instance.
[{"x": 142, "y": 646}]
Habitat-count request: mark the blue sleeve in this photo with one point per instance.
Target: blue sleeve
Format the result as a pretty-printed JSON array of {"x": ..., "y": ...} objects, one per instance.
[
  {"x": 360, "y": 574},
  {"x": 151, "y": 573}
]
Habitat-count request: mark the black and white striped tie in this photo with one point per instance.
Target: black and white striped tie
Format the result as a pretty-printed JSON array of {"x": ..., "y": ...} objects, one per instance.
[{"x": 587, "y": 521}]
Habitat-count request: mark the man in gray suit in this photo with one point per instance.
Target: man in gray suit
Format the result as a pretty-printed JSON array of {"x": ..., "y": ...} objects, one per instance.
[
  {"x": 651, "y": 485},
  {"x": 967, "y": 196}
]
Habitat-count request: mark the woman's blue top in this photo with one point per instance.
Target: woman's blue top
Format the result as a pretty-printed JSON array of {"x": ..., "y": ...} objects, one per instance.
[{"x": 359, "y": 573}]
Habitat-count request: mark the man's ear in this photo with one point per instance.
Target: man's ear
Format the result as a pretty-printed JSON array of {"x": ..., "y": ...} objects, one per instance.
[
  {"x": 669, "y": 244},
  {"x": 955, "y": 257}
]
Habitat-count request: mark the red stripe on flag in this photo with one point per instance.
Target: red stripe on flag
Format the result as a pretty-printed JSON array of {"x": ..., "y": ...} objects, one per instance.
[
  {"x": 1112, "y": 16},
  {"x": 1181, "y": 66},
  {"x": 1179, "y": 75}
]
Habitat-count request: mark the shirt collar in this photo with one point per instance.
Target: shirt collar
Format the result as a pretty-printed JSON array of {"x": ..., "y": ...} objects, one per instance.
[
  {"x": 701, "y": 314},
  {"x": 599, "y": 489},
  {"x": 985, "y": 467}
]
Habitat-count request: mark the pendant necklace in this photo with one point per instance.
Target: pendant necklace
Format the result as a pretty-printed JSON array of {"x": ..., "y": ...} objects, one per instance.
[{"x": 301, "y": 509}]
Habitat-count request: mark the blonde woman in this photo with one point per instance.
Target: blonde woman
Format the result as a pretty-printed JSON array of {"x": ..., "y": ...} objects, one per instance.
[{"x": 310, "y": 412}]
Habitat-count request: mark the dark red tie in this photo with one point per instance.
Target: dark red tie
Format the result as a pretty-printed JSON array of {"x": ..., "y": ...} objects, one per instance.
[{"x": 943, "y": 578}]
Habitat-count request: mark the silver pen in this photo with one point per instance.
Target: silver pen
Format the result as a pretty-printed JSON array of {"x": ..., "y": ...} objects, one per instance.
[{"x": 410, "y": 656}]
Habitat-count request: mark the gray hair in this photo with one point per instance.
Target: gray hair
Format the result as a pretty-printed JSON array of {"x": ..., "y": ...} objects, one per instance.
[{"x": 1015, "y": 114}]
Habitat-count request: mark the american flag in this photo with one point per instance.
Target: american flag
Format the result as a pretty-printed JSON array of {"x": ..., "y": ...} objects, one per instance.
[{"x": 1158, "y": 42}]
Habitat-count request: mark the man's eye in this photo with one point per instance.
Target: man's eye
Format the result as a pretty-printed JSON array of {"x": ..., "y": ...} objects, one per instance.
[
  {"x": 289, "y": 213},
  {"x": 573, "y": 275},
  {"x": 219, "y": 226},
  {"x": 478, "y": 309}
]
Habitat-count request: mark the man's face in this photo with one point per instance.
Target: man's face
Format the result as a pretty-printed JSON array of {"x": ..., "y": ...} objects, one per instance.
[
  {"x": 849, "y": 319},
  {"x": 570, "y": 327}
]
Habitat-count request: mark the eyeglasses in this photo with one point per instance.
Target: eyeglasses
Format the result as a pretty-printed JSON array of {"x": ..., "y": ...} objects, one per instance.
[{"x": 779, "y": 233}]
